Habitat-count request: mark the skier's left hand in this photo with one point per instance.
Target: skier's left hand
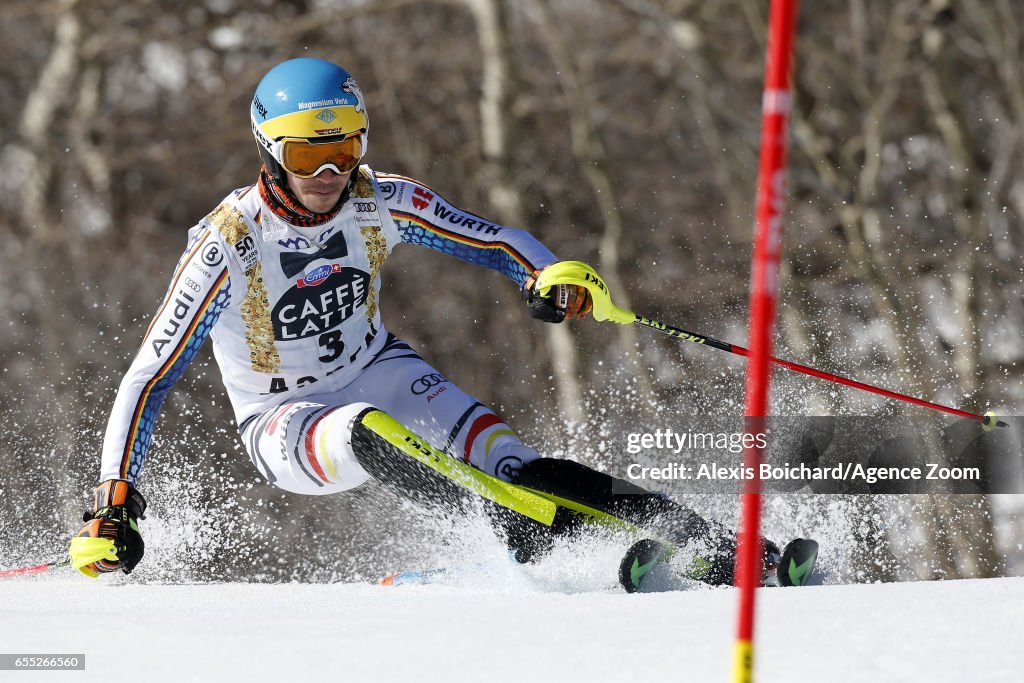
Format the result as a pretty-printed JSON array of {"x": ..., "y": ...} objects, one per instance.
[
  {"x": 563, "y": 302},
  {"x": 110, "y": 539}
]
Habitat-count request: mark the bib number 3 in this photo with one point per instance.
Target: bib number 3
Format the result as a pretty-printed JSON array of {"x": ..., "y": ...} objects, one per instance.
[{"x": 331, "y": 346}]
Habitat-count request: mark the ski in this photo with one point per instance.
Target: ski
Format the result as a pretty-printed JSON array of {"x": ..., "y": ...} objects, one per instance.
[
  {"x": 437, "y": 575},
  {"x": 646, "y": 567},
  {"x": 796, "y": 568},
  {"x": 418, "y": 577},
  {"x": 644, "y": 564},
  {"x": 550, "y": 490}
]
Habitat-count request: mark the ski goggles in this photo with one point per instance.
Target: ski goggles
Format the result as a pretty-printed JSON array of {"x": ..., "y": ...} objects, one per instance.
[{"x": 306, "y": 159}]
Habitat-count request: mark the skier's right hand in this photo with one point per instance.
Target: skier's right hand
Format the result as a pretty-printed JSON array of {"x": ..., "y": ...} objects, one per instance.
[
  {"x": 563, "y": 302},
  {"x": 110, "y": 539}
]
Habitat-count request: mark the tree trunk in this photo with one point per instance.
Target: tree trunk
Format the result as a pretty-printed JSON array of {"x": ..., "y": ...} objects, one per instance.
[
  {"x": 505, "y": 196},
  {"x": 588, "y": 149}
]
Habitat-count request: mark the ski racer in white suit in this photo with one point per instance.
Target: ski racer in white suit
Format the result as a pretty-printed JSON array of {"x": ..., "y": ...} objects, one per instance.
[{"x": 284, "y": 276}]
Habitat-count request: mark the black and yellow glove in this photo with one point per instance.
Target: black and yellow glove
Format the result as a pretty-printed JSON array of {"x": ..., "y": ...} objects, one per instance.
[
  {"x": 562, "y": 302},
  {"x": 110, "y": 539}
]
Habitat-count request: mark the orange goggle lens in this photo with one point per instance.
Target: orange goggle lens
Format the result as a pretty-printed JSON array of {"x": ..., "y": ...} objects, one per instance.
[{"x": 304, "y": 159}]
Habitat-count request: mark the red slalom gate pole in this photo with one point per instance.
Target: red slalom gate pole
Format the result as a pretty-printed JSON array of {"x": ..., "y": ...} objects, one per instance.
[{"x": 771, "y": 188}]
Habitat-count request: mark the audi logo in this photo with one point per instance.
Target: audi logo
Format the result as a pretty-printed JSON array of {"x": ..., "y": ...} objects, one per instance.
[
  {"x": 426, "y": 383},
  {"x": 365, "y": 207}
]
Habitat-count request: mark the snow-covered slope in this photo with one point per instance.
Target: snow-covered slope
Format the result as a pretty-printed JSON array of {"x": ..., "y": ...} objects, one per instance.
[{"x": 941, "y": 631}]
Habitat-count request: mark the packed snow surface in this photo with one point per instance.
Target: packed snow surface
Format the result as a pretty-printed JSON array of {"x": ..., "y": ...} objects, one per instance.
[{"x": 935, "y": 631}]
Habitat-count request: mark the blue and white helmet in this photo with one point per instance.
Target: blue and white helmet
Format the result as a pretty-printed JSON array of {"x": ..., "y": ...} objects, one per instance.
[{"x": 310, "y": 103}]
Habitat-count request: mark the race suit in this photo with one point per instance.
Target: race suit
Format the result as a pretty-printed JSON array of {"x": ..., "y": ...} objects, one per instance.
[{"x": 294, "y": 315}]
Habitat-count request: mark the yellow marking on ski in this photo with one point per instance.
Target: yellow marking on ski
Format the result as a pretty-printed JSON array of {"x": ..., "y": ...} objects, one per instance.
[
  {"x": 516, "y": 498},
  {"x": 597, "y": 516}
]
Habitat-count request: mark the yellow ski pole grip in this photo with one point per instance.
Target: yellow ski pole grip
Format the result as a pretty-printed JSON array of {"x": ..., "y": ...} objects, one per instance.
[
  {"x": 85, "y": 550},
  {"x": 579, "y": 273}
]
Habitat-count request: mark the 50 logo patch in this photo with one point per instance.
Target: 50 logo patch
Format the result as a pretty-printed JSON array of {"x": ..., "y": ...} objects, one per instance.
[{"x": 247, "y": 252}]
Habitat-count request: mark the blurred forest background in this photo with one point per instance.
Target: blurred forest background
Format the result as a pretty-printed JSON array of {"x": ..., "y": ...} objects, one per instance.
[{"x": 620, "y": 132}]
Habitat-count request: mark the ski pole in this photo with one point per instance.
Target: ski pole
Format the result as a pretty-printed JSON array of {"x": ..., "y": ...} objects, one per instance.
[
  {"x": 38, "y": 569},
  {"x": 577, "y": 273}
]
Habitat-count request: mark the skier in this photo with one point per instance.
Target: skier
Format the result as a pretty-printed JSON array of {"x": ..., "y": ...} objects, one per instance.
[{"x": 284, "y": 276}]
